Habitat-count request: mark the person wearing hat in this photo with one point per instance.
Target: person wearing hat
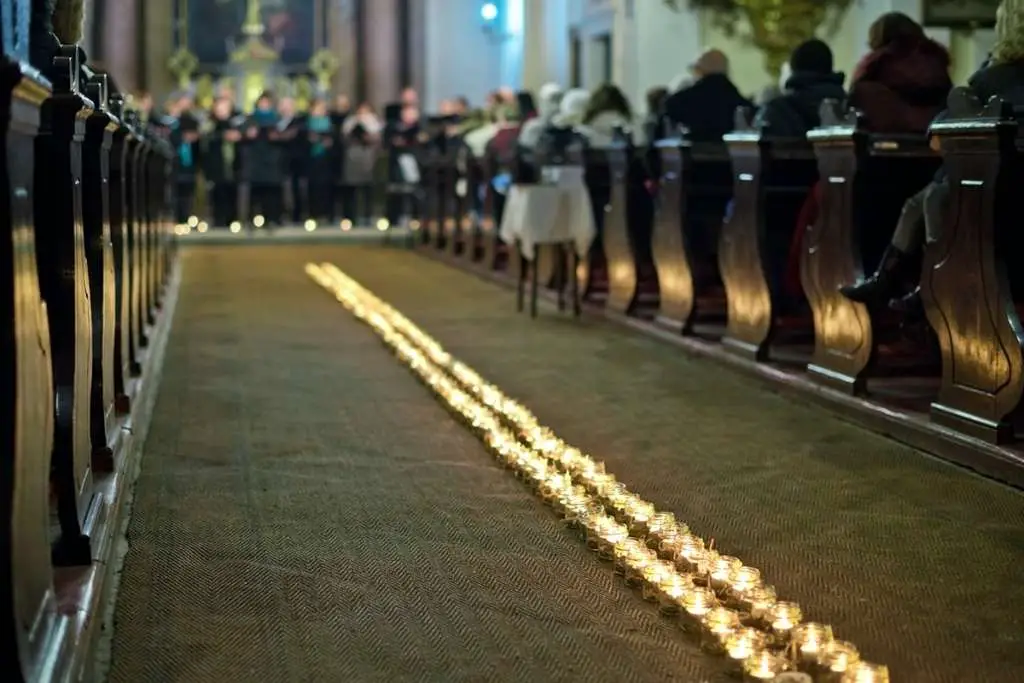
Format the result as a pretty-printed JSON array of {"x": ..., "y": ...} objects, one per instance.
[
  {"x": 706, "y": 107},
  {"x": 812, "y": 82}
]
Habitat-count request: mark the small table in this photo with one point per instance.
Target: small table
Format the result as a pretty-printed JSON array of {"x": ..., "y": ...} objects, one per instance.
[{"x": 555, "y": 212}]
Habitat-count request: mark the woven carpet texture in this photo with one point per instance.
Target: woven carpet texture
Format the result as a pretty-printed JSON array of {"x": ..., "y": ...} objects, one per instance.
[{"x": 308, "y": 512}]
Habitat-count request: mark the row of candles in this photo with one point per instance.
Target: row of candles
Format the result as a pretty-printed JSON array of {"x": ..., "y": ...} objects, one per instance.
[{"x": 721, "y": 602}]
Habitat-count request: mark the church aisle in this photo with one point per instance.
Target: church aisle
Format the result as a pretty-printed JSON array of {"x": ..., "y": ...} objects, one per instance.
[
  {"x": 308, "y": 512},
  {"x": 914, "y": 560}
]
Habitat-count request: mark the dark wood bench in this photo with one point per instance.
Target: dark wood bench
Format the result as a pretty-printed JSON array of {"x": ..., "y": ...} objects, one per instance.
[
  {"x": 773, "y": 178},
  {"x": 865, "y": 180}
]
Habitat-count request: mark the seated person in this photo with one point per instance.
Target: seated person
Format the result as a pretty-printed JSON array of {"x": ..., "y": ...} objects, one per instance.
[
  {"x": 921, "y": 222},
  {"x": 813, "y": 81},
  {"x": 707, "y": 106},
  {"x": 607, "y": 110},
  {"x": 549, "y": 98},
  {"x": 902, "y": 84}
]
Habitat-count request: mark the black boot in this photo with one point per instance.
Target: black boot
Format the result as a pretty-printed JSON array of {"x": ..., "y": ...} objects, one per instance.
[
  {"x": 910, "y": 304},
  {"x": 883, "y": 285}
]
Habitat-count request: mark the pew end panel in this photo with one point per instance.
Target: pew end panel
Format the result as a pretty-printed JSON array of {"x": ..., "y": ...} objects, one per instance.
[
  {"x": 592, "y": 271},
  {"x": 28, "y": 596},
  {"x": 675, "y": 277},
  {"x": 965, "y": 284}
]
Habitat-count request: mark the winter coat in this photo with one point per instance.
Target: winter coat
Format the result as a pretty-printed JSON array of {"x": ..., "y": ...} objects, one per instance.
[
  {"x": 796, "y": 111},
  {"x": 707, "y": 109}
]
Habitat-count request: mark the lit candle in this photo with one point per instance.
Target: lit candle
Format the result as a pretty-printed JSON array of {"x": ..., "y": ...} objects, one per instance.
[
  {"x": 809, "y": 641},
  {"x": 655, "y": 573},
  {"x": 690, "y": 552},
  {"x": 838, "y": 657},
  {"x": 696, "y": 604},
  {"x": 763, "y": 666},
  {"x": 782, "y": 619},
  {"x": 865, "y": 672},
  {"x": 718, "y": 624},
  {"x": 637, "y": 516},
  {"x": 720, "y": 569},
  {"x": 661, "y": 525},
  {"x": 673, "y": 592},
  {"x": 742, "y": 644},
  {"x": 622, "y": 551}
]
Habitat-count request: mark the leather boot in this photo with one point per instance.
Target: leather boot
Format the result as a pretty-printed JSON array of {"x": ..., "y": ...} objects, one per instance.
[
  {"x": 909, "y": 304},
  {"x": 883, "y": 285}
]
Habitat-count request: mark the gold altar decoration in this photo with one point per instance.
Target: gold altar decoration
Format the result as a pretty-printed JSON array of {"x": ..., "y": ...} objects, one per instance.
[
  {"x": 254, "y": 58},
  {"x": 183, "y": 65},
  {"x": 615, "y": 522},
  {"x": 775, "y": 27},
  {"x": 323, "y": 65},
  {"x": 205, "y": 91}
]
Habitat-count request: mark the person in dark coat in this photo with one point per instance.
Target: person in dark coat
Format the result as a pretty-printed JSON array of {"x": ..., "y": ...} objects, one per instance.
[
  {"x": 264, "y": 161},
  {"x": 707, "y": 108},
  {"x": 920, "y": 225},
  {"x": 184, "y": 133},
  {"x": 295, "y": 152},
  {"x": 902, "y": 84},
  {"x": 220, "y": 161},
  {"x": 812, "y": 82},
  {"x": 321, "y": 139}
]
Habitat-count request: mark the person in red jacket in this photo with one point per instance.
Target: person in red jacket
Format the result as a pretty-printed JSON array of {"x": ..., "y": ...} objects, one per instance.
[{"x": 902, "y": 84}]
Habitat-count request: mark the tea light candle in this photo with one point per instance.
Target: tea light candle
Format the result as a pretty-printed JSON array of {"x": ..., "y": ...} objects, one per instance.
[
  {"x": 742, "y": 644},
  {"x": 782, "y": 619},
  {"x": 661, "y": 525},
  {"x": 763, "y": 666},
  {"x": 622, "y": 550},
  {"x": 718, "y": 625},
  {"x": 756, "y": 603},
  {"x": 809, "y": 641},
  {"x": 673, "y": 592},
  {"x": 720, "y": 569},
  {"x": 695, "y": 606},
  {"x": 637, "y": 516},
  {"x": 838, "y": 657},
  {"x": 865, "y": 672},
  {"x": 690, "y": 552},
  {"x": 638, "y": 561},
  {"x": 609, "y": 536},
  {"x": 655, "y": 574}
]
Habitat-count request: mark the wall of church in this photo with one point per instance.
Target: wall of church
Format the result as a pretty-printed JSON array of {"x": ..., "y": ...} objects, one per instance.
[{"x": 464, "y": 56}]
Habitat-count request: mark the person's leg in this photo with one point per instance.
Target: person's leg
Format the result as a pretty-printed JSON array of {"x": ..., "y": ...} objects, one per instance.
[
  {"x": 936, "y": 205},
  {"x": 906, "y": 240}
]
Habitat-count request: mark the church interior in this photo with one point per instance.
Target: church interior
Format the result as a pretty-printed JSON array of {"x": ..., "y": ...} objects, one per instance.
[{"x": 513, "y": 340}]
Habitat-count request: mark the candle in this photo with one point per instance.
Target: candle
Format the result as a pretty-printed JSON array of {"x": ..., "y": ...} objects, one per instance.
[
  {"x": 636, "y": 563},
  {"x": 809, "y": 641},
  {"x": 782, "y": 619},
  {"x": 661, "y": 525},
  {"x": 720, "y": 569},
  {"x": 696, "y": 604},
  {"x": 718, "y": 625},
  {"x": 865, "y": 672},
  {"x": 673, "y": 592},
  {"x": 655, "y": 573},
  {"x": 689, "y": 553},
  {"x": 621, "y": 552},
  {"x": 837, "y": 657},
  {"x": 742, "y": 644},
  {"x": 611, "y": 534},
  {"x": 763, "y": 666}
]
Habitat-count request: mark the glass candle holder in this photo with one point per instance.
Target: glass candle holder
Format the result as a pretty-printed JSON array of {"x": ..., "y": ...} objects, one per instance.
[
  {"x": 608, "y": 537},
  {"x": 636, "y": 563},
  {"x": 742, "y": 644},
  {"x": 782, "y": 618},
  {"x": 836, "y": 659},
  {"x": 637, "y": 516},
  {"x": 764, "y": 665},
  {"x": 672, "y": 594},
  {"x": 719, "y": 571},
  {"x": 695, "y": 606},
  {"x": 741, "y": 583},
  {"x": 809, "y": 641},
  {"x": 690, "y": 552},
  {"x": 866, "y": 672},
  {"x": 622, "y": 550},
  {"x": 655, "y": 574},
  {"x": 661, "y": 525},
  {"x": 718, "y": 625}
]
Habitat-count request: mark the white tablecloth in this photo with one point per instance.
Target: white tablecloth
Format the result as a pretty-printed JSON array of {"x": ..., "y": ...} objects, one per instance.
[{"x": 548, "y": 214}]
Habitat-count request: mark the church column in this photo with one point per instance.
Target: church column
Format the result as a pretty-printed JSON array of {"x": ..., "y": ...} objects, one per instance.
[
  {"x": 112, "y": 39},
  {"x": 545, "y": 43},
  {"x": 341, "y": 41},
  {"x": 380, "y": 37},
  {"x": 156, "y": 26}
]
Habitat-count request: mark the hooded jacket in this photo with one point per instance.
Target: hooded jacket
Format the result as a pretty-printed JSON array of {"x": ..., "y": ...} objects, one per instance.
[
  {"x": 902, "y": 87},
  {"x": 707, "y": 109},
  {"x": 795, "y": 112}
]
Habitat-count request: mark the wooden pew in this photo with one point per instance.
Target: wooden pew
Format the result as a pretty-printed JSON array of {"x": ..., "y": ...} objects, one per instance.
[
  {"x": 447, "y": 176},
  {"x": 430, "y": 167},
  {"x": 592, "y": 273},
  {"x": 119, "y": 172},
  {"x": 494, "y": 252},
  {"x": 476, "y": 205},
  {"x": 865, "y": 181},
  {"x": 968, "y": 286},
  {"x": 64, "y": 281},
  {"x": 632, "y": 280},
  {"x": 694, "y": 186},
  {"x": 459, "y": 230},
  {"x": 772, "y": 179},
  {"x": 96, "y": 149},
  {"x": 27, "y": 593}
]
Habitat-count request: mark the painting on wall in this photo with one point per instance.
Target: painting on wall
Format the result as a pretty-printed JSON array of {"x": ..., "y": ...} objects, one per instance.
[
  {"x": 214, "y": 28},
  {"x": 959, "y": 13}
]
